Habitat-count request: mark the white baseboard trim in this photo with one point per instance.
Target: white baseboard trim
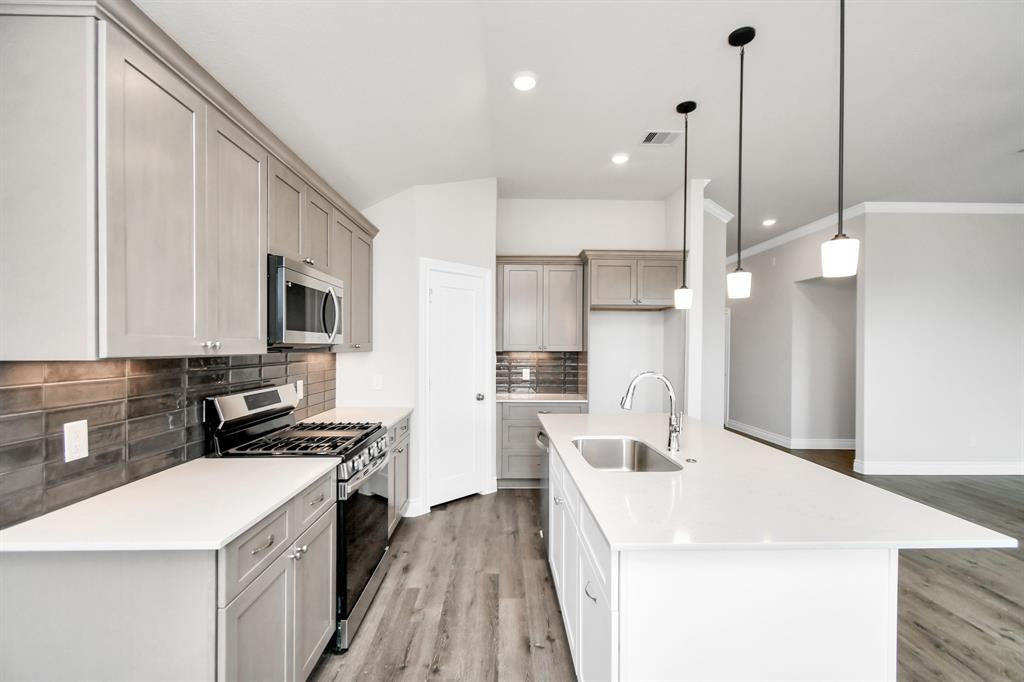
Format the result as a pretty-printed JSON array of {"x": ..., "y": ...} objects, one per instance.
[
  {"x": 822, "y": 443},
  {"x": 756, "y": 432},
  {"x": 938, "y": 468},
  {"x": 416, "y": 507}
]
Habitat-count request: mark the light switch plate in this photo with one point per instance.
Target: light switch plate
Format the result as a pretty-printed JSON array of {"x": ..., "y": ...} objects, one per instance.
[
  {"x": 76, "y": 440},
  {"x": 298, "y": 388},
  {"x": 526, "y": 373}
]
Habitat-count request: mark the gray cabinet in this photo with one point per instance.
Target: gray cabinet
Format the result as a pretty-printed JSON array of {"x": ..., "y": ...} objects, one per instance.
[
  {"x": 287, "y": 206},
  {"x": 316, "y": 231},
  {"x": 315, "y": 585},
  {"x": 236, "y": 195},
  {"x": 398, "y": 479},
  {"x": 339, "y": 263},
  {"x": 359, "y": 295},
  {"x": 153, "y": 276},
  {"x": 624, "y": 280},
  {"x": 540, "y": 307},
  {"x": 519, "y": 457}
]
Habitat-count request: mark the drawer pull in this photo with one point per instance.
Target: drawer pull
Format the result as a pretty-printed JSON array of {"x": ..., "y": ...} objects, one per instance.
[
  {"x": 543, "y": 412},
  {"x": 317, "y": 500},
  {"x": 405, "y": 427},
  {"x": 267, "y": 545},
  {"x": 399, "y": 451},
  {"x": 586, "y": 591},
  {"x": 558, "y": 500}
]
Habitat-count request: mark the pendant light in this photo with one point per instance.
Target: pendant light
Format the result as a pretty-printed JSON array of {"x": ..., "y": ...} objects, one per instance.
[
  {"x": 683, "y": 295},
  {"x": 839, "y": 255},
  {"x": 737, "y": 282}
]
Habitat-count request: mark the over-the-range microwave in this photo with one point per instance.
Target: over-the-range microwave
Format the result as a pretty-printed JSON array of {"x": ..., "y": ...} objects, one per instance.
[{"x": 304, "y": 305}]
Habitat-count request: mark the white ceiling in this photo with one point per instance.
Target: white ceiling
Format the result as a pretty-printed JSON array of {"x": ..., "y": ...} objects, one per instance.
[{"x": 378, "y": 96}]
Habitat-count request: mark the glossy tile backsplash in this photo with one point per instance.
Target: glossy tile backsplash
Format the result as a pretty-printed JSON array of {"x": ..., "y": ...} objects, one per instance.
[
  {"x": 549, "y": 372},
  {"x": 144, "y": 416}
]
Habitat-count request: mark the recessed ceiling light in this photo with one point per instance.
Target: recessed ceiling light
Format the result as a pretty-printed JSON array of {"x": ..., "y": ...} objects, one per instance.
[
  {"x": 620, "y": 158},
  {"x": 524, "y": 81},
  {"x": 768, "y": 222}
]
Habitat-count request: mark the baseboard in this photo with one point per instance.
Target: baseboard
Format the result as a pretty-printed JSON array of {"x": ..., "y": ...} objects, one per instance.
[
  {"x": 938, "y": 468},
  {"x": 518, "y": 483},
  {"x": 822, "y": 443},
  {"x": 756, "y": 432},
  {"x": 416, "y": 507}
]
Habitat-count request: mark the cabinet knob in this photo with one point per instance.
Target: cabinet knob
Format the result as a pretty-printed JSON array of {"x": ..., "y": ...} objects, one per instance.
[
  {"x": 216, "y": 345},
  {"x": 479, "y": 396},
  {"x": 356, "y": 345},
  {"x": 206, "y": 344},
  {"x": 309, "y": 261}
]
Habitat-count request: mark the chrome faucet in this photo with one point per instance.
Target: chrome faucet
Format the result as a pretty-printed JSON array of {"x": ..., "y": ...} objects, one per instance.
[{"x": 673, "y": 417}]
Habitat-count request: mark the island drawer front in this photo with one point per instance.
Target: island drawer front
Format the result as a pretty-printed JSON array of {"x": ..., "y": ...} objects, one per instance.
[
  {"x": 314, "y": 500},
  {"x": 531, "y": 411},
  {"x": 521, "y": 464},
  {"x": 598, "y": 548},
  {"x": 250, "y": 553}
]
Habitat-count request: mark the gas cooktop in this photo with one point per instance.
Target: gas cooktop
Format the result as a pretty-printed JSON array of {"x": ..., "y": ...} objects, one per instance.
[{"x": 320, "y": 439}]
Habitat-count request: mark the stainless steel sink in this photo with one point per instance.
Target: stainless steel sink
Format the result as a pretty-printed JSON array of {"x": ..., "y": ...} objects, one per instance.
[{"x": 623, "y": 454}]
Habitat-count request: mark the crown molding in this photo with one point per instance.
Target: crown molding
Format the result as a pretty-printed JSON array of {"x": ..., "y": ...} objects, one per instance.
[{"x": 716, "y": 209}]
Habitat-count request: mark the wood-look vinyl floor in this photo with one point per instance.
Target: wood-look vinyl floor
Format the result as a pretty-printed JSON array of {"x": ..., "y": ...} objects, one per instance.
[{"x": 469, "y": 596}]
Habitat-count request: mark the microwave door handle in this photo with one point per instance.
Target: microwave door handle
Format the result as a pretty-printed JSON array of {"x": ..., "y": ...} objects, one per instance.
[{"x": 323, "y": 317}]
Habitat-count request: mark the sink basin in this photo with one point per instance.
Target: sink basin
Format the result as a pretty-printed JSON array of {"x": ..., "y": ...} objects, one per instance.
[{"x": 623, "y": 454}]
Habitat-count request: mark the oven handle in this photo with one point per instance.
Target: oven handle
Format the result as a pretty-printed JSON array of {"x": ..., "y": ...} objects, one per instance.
[
  {"x": 337, "y": 313},
  {"x": 346, "y": 488}
]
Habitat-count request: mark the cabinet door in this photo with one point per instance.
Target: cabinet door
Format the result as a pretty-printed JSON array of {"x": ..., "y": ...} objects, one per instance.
[
  {"x": 286, "y": 207},
  {"x": 236, "y": 197},
  {"x": 392, "y": 485},
  {"x": 255, "y": 630},
  {"x": 657, "y": 280},
  {"x": 402, "y": 478},
  {"x": 315, "y": 584},
  {"x": 594, "y": 643},
  {"x": 359, "y": 295},
  {"x": 570, "y": 586},
  {"x": 316, "y": 229},
  {"x": 563, "y": 307},
  {"x": 153, "y": 289},
  {"x": 556, "y": 531},
  {"x": 523, "y": 300},
  {"x": 342, "y": 234},
  {"x": 613, "y": 282}
]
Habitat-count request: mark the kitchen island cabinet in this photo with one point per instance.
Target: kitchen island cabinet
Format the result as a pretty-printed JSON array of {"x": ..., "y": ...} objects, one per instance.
[{"x": 667, "y": 575}]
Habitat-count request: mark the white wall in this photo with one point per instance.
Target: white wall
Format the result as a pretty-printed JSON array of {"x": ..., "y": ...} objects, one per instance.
[
  {"x": 621, "y": 345},
  {"x": 824, "y": 336},
  {"x": 942, "y": 354},
  {"x": 560, "y": 227}
]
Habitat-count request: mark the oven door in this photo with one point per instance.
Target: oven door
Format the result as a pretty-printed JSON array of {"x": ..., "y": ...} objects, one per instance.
[
  {"x": 304, "y": 307},
  {"x": 363, "y": 536}
]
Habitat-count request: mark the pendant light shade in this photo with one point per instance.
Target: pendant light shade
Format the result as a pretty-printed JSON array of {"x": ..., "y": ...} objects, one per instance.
[
  {"x": 683, "y": 296},
  {"x": 839, "y": 255},
  {"x": 737, "y": 282}
]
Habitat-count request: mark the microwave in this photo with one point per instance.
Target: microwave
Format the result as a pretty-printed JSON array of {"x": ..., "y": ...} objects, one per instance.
[{"x": 304, "y": 305}]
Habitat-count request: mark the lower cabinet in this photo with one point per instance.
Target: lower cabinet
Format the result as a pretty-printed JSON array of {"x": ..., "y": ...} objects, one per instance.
[
  {"x": 398, "y": 481},
  {"x": 278, "y": 626},
  {"x": 595, "y": 635},
  {"x": 517, "y": 425}
]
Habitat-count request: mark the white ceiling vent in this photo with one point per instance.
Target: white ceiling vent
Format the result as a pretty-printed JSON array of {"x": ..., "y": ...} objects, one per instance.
[{"x": 661, "y": 137}]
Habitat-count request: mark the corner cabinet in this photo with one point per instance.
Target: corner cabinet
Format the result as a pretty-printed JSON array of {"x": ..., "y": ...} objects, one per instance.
[
  {"x": 163, "y": 197},
  {"x": 632, "y": 280},
  {"x": 540, "y": 304}
]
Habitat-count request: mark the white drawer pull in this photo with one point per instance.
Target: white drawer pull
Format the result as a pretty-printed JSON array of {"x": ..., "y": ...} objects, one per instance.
[
  {"x": 267, "y": 545},
  {"x": 586, "y": 591}
]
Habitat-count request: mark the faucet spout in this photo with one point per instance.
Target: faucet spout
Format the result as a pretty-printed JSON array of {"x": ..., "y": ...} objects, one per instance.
[{"x": 674, "y": 421}]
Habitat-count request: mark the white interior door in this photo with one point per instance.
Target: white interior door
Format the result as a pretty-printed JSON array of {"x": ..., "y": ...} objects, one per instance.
[{"x": 458, "y": 384}]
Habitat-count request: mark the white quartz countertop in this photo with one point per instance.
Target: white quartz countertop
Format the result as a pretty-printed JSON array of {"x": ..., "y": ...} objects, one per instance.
[
  {"x": 389, "y": 416},
  {"x": 200, "y": 505},
  {"x": 540, "y": 397},
  {"x": 741, "y": 494}
]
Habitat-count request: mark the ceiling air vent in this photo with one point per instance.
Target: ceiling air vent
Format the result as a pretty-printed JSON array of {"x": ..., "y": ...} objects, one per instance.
[{"x": 661, "y": 137}]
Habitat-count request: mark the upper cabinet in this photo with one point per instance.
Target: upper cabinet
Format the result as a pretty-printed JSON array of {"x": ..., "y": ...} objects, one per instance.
[
  {"x": 632, "y": 280},
  {"x": 153, "y": 193},
  {"x": 540, "y": 306}
]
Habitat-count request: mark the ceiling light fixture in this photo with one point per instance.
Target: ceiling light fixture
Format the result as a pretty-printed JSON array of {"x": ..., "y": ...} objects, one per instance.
[
  {"x": 840, "y": 254},
  {"x": 768, "y": 222},
  {"x": 620, "y": 158},
  {"x": 737, "y": 282},
  {"x": 524, "y": 81},
  {"x": 683, "y": 296}
]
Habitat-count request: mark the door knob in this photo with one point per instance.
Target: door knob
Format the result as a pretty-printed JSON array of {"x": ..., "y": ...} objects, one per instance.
[{"x": 479, "y": 396}]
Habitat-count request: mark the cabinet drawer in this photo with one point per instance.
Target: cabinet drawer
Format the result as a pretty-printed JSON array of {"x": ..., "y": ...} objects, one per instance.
[
  {"x": 519, "y": 434},
  {"x": 596, "y": 545},
  {"x": 246, "y": 557},
  {"x": 531, "y": 411},
  {"x": 400, "y": 430},
  {"x": 313, "y": 500},
  {"x": 596, "y": 635},
  {"x": 518, "y": 464}
]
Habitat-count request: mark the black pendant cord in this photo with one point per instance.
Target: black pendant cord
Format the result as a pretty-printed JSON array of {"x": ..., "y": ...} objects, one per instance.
[
  {"x": 842, "y": 107},
  {"x": 686, "y": 186},
  {"x": 739, "y": 179}
]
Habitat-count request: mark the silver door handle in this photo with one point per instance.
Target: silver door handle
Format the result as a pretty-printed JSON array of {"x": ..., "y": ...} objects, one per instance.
[
  {"x": 299, "y": 551},
  {"x": 479, "y": 396},
  {"x": 541, "y": 440},
  {"x": 399, "y": 451},
  {"x": 317, "y": 500},
  {"x": 558, "y": 500},
  {"x": 267, "y": 545},
  {"x": 586, "y": 591},
  {"x": 216, "y": 345},
  {"x": 206, "y": 344},
  {"x": 309, "y": 261},
  {"x": 337, "y": 314}
]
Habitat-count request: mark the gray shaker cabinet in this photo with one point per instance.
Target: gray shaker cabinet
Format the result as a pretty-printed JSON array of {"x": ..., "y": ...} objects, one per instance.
[
  {"x": 359, "y": 295},
  {"x": 153, "y": 276},
  {"x": 657, "y": 280},
  {"x": 613, "y": 282},
  {"x": 315, "y": 586},
  {"x": 316, "y": 230},
  {"x": 287, "y": 208},
  {"x": 541, "y": 307},
  {"x": 398, "y": 482},
  {"x": 632, "y": 280},
  {"x": 563, "y": 308},
  {"x": 523, "y": 307}
]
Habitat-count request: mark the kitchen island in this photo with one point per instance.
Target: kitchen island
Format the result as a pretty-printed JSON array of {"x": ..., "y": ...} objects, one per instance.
[{"x": 745, "y": 564}]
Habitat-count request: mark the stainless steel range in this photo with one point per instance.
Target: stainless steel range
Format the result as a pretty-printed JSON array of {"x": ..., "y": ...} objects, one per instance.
[{"x": 261, "y": 423}]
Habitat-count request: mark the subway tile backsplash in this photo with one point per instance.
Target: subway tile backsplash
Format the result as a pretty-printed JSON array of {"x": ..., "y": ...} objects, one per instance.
[
  {"x": 549, "y": 372},
  {"x": 144, "y": 417}
]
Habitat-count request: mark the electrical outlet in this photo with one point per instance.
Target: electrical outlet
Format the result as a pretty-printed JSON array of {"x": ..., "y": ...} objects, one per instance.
[
  {"x": 298, "y": 388},
  {"x": 526, "y": 373},
  {"x": 76, "y": 440},
  {"x": 377, "y": 383}
]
